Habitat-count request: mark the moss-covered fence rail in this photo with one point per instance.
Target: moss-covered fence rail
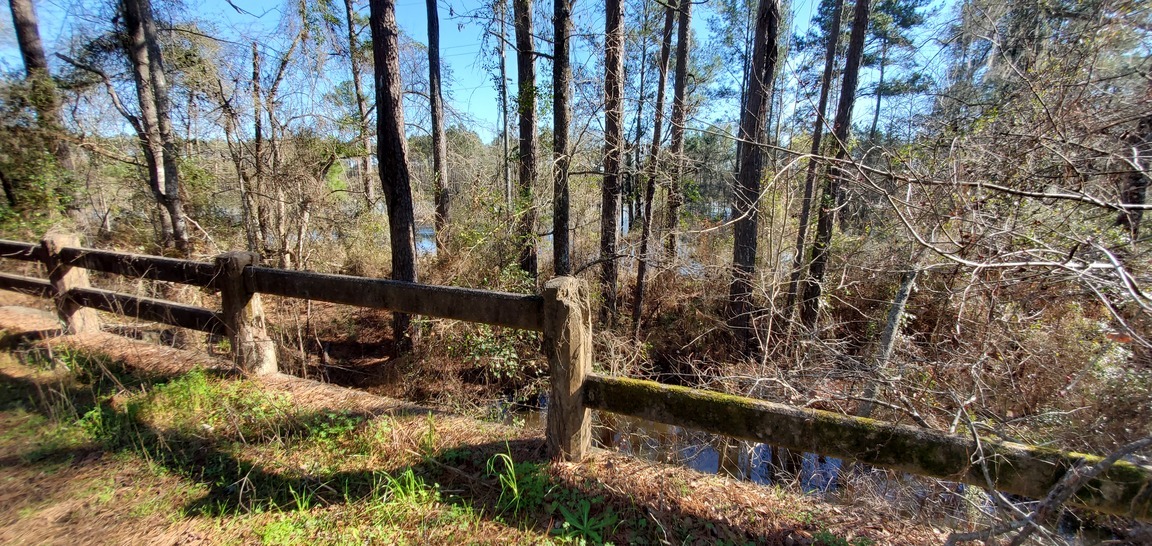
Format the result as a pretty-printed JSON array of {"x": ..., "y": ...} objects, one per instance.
[
  {"x": 1124, "y": 489},
  {"x": 562, "y": 313}
]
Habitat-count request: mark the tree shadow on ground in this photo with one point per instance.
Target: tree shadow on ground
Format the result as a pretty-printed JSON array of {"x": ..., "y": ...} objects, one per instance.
[{"x": 506, "y": 481}]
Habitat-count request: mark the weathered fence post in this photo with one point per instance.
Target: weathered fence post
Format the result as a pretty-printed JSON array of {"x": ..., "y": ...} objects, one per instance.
[
  {"x": 77, "y": 318},
  {"x": 243, "y": 314},
  {"x": 568, "y": 344}
]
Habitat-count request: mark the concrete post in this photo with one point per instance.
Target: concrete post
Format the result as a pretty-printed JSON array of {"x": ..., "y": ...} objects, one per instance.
[
  {"x": 77, "y": 319},
  {"x": 568, "y": 344},
  {"x": 243, "y": 315}
]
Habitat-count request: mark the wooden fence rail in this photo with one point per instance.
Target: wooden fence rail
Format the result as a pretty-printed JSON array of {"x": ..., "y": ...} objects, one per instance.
[
  {"x": 497, "y": 308},
  {"x": 26, "y": 285},
  {"x": 165, "y": 312},
  {"x": 17, "y": 250},
  {"x": 140, "y": 266},
  {"x": 1124, "y": 489},
  {"x": 563, "y": 315}
]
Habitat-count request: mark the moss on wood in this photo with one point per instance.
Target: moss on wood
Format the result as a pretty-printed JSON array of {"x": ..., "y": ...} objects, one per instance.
[{"x": 1125, "y": 489}]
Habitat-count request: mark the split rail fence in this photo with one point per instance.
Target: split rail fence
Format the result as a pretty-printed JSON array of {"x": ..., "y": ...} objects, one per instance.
[{"x": 563, "y": 315}]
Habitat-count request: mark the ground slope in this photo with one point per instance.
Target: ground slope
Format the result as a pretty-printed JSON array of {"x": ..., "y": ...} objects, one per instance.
[{"x": 108, "y": 440}]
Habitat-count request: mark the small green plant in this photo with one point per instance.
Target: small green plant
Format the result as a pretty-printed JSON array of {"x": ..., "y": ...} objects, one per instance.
[
  {"x": 281, "y": 531},
  {"x": 372, "y": 435},
  {"x": 510, "y": 496},
  {"x": 302, "y": 499},
  {"x": 111, "y": 428},
  {"x": 428, "y": 439},
  {"x": 223, "y": 346},
  {"x": 409, "y": 489},
  {"x": 580, "y": 523},
  {"x": 332, "y": 426},
  {"x": 522, "y": 486},
  {"x": 497, "y": 351}
]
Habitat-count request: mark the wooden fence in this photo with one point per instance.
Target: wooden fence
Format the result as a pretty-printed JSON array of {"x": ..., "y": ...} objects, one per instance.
[{"x": 563, "y": 315}]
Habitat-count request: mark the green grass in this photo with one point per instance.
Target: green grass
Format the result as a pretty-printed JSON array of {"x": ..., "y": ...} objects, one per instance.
[
  {"x": 244, "y": 464},
  {"x": 249, "y": 462}
]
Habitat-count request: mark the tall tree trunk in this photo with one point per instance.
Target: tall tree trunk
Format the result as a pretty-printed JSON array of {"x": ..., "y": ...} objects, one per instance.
[
  {"x": 279, "y": 180},
  {"x": 161, "y": 170},
  {"x": 263, "y": 214},
  {"x": 439, "y": 146},
  {"x": 561, "y": 120},
  {"x": 27, "y": 28},
  {"x": 504, "y": 136},
  {"x": 526, "y": 104},
  {"x": 753, "y": 132},
  {"x": 679, "y": 117},
  {"x": 650, "y": 170},
  {"x": 634, "y": 193},
  {"x": 173, "y": 201},
  {"x": 368, "y": 184},
  {"x": 841, "y": 128},
  {"x": 9, "y": 190},
  {"x": 613, "y": 150},
  {"x": 392, "y": 155},
  {"x": 833, "y": 41},
  {"x": 44, "y": 97},
  {"x": 872, "y": 133}
]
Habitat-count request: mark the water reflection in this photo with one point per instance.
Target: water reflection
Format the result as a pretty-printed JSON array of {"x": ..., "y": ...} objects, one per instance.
[
  {"x": 425, "y": 241},
  {"x": 713, "y": 454},
  {"x": 701, "y": 451},
  {"x": 954, "y": 505}
]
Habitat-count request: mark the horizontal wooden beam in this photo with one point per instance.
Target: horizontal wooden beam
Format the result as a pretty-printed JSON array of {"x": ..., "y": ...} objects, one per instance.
[
  {"x": 26, "y": 285},
  {"x": 498, "y": 308},
  {"x": 174, "y": 314},
  {"x": 141, "y": 266},
  {"x": 18, "y": 250},
  {"x": 1124, "y": 490}
]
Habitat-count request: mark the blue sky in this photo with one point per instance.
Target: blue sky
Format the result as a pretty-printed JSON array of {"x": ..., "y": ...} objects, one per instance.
[{"x": 471, "y": 89}]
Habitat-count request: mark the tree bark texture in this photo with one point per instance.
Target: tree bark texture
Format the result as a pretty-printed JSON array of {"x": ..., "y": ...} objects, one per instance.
[
  {"x": 679, "y": 117},
  {"x": 888, "y": 338},
  {"x": 841, "y": 127},
  {"x": 392, "y": 155},
  {"x": 753, "y": 131},
  {"x": 561, "y": 121},
  {"x": 368, "y": 184},
  {"x": 650, "y": 170},
  {"x": 613, "y": 151},
  {"x": 633, "y": 192},
  {"x": 439, "y": 145},
  {"x": 155, "y": 116},
  {"x": 833, "y": 41},
  {"x": 44, "y": 98},
  {"x": 526, "y": 106},
  {"x": 504, "y": 136},
  {"x": 27, "y": 28}
]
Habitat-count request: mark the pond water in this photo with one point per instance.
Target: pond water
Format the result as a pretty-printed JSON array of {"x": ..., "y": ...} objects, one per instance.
[
  {"x": 766, "y": 464},
  {"x": 700, "y": 451},
  {"x": 425, "y": 241}
]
